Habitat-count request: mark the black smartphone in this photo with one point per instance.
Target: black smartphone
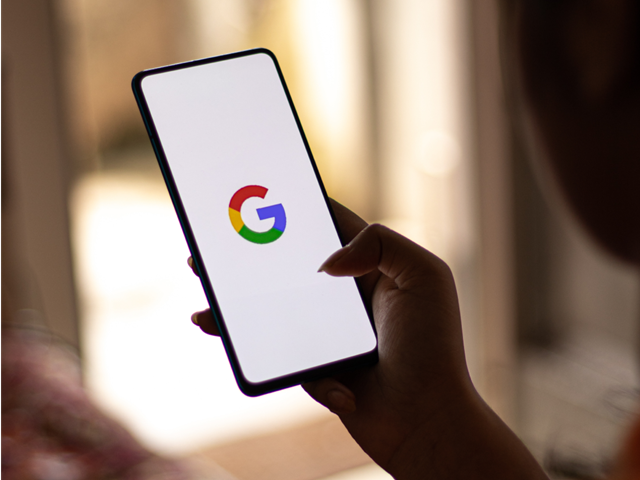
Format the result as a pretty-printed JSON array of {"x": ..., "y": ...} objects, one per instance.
[{"x": 256, "y": 217}]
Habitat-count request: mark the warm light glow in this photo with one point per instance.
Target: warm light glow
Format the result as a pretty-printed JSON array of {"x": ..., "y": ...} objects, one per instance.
[
  {"x": 438, "y": 154},
  {"x": 144, "y": 360}
]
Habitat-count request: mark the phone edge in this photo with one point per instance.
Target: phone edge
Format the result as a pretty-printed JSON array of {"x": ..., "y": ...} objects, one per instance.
[{"x": 247, "y": 387}]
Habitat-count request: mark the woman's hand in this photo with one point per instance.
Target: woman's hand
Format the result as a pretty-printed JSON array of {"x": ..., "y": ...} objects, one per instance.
[
  {"x": 415, "y": 412},
  {"x": 421, "y": 375}
]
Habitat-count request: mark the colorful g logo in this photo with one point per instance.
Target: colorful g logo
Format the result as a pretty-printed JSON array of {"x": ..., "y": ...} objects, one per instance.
[{"x": 273, "y": 211}]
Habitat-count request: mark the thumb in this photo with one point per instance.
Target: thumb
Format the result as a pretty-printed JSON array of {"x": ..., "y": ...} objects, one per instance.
[{"x": 379, "y": 248}]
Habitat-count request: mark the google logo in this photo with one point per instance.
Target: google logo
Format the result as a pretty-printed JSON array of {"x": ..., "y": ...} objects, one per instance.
[{"x": 272, "y": 211}]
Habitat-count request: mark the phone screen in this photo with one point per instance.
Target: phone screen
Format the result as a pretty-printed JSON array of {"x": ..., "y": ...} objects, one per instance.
[{"x": 255, "y": 215}]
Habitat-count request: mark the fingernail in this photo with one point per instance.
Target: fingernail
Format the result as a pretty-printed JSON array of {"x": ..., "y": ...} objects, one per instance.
[
  {"x": 334, "y": 258},
  {"x": 194, "y": 319},
  {"x": 190, "y": 261},
  {"x": 340, "y": 402}
]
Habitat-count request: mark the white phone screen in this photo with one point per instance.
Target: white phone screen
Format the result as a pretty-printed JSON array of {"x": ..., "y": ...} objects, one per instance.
[{"x": 258, "y": 216}]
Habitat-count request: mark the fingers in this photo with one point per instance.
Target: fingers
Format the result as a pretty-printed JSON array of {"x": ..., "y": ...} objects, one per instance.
[
  {"x": 206, "y": 322},
  {"x": 349, "y": 223},
  {"x": 379, "y": 248},
  {"x": 203, "y": 319},
  {"x": 332, "y": 394},
  {"x": 328, "y": 392},
  {"x": 192, "y": 265}
]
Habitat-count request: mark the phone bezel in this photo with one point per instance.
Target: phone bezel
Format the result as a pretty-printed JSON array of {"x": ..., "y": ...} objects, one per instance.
[{"x": 247, "y": 387}]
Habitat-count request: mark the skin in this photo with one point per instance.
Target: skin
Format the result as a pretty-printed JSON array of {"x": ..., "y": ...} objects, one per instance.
[
  {"x": 575, "y": 64},
  {"x": 416, "y": 411},
  {"x": 577, "y": 71}
]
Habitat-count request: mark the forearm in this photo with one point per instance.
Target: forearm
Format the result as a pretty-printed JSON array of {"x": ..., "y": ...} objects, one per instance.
[{"x": 468, "y": 441}]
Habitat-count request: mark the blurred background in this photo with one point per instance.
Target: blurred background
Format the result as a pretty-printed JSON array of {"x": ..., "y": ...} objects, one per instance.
[{"x": 405, "y": 110}]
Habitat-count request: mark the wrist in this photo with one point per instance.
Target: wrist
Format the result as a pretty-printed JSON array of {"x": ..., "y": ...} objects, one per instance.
[
  {"x": 464, "y": 438},
  {"x": 430, "y": 450}
]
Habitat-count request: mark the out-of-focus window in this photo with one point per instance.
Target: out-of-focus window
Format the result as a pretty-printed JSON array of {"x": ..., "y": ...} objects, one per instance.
[{"x": 381, "y": 89}]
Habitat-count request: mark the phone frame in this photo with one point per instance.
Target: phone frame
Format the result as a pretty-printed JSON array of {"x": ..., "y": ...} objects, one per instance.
[{"x": 248, "y": 388}]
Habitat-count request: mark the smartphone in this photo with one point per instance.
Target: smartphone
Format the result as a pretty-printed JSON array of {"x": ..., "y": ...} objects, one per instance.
[{"x": 256, "y": 218}]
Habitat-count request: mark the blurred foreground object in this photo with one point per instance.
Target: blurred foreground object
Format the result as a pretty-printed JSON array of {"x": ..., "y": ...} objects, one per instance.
[{"x": 50, "y": 428}]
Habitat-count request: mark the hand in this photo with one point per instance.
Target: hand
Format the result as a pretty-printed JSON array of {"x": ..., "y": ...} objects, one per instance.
[
  {"x": 422, "y": 371},
  {"x": 416, "y": 412}
]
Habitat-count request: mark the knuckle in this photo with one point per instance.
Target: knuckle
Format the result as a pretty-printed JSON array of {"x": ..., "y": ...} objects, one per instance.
[{"x": 377, "y": 228}]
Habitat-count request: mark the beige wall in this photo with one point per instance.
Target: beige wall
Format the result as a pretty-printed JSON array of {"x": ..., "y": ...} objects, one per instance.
[
  {"x": 108, "y": 42},
  {"x": 36, "y": 268}
]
